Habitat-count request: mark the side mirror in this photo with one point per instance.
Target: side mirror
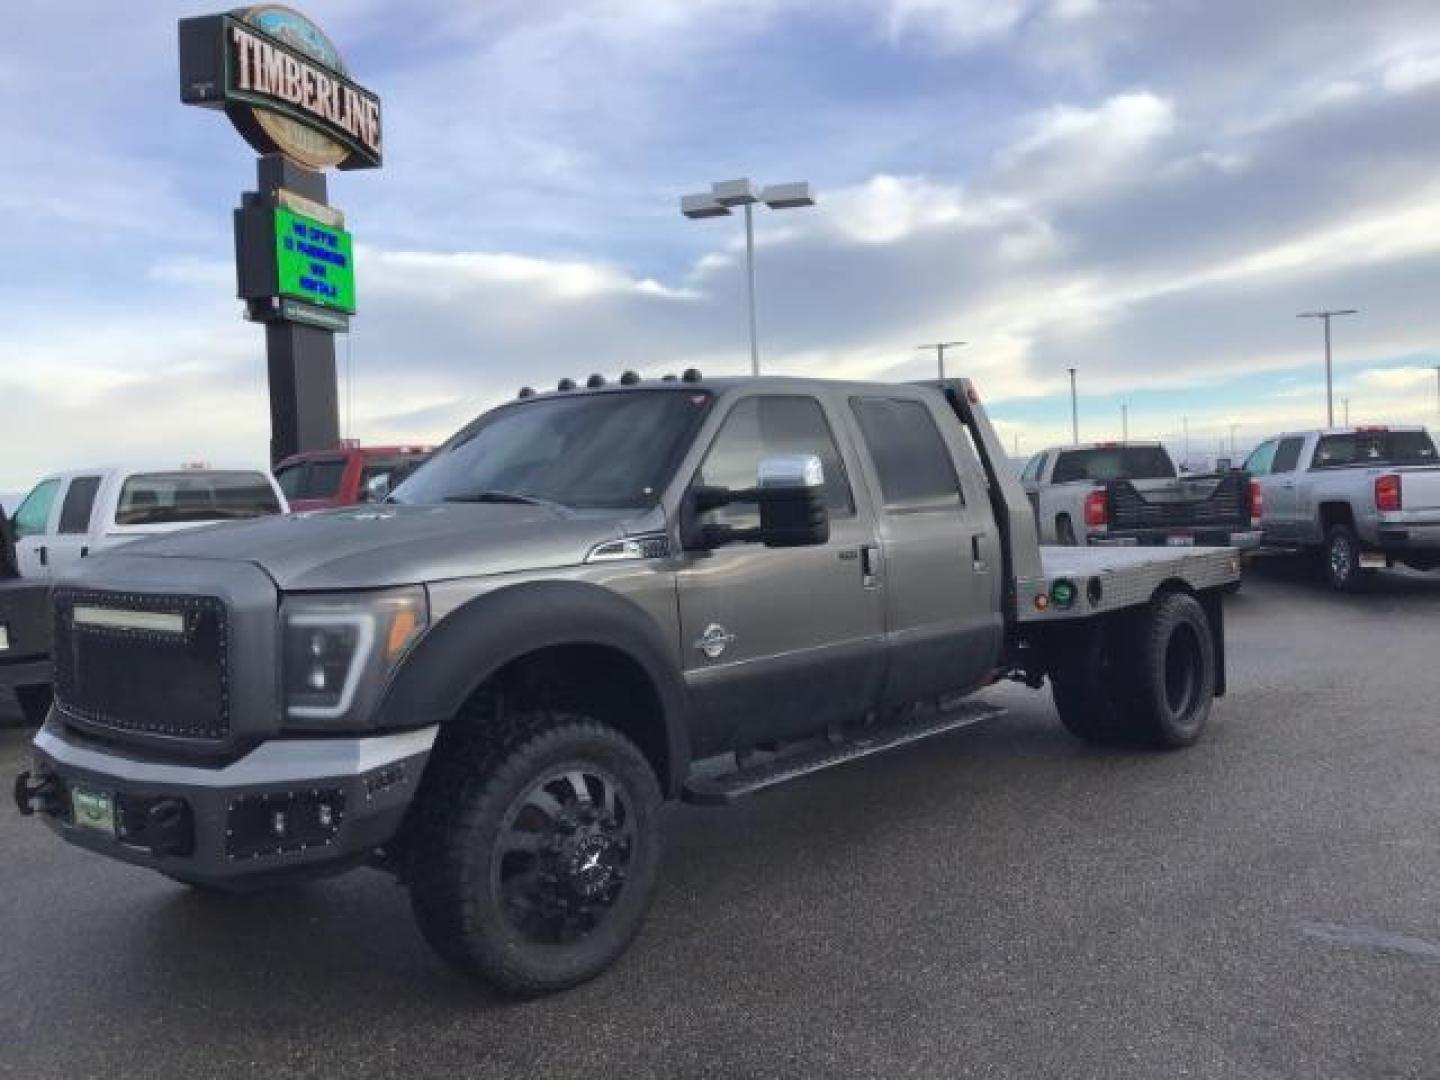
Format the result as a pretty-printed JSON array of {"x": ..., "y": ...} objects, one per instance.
[
  {"x": 790, "y": 489},
  {"x": 377, "y": 488}
]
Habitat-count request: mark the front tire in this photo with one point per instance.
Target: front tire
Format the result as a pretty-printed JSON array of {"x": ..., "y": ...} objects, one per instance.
[
  {"x": 536, "y": 851},
  {"x": 34, "y": 703},
  {"x": 1342, "y": 558}
]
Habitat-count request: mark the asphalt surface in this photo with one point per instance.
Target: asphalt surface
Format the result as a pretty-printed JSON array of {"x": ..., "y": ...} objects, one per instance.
[{"x": 997, "y": 902}]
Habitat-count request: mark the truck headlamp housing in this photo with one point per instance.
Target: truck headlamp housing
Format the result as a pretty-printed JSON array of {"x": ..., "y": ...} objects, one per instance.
[{"x": 339, "y": 649}]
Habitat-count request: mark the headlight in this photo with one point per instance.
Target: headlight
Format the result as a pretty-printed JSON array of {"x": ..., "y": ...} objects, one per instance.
[{"x": 340, "y": 649}]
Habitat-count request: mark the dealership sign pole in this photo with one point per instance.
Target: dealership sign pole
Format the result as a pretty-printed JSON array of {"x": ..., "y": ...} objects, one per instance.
[{"x": 283, "y": 85}]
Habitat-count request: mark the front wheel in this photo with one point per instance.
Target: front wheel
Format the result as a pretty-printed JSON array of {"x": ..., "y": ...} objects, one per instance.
[
  {"x": 34, "y": 703},
  {"x": 536, "y": 851}
]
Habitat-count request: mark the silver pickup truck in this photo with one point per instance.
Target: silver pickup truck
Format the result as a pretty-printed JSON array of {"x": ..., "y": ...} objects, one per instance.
[
  {"x": 586, "y": 602},
  {"x": 1131, "y": 493},
  {"x": 1359, "y": 498}
]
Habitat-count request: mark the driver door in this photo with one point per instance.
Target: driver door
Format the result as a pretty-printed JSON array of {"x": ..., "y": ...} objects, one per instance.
[{"x": 780, "y": 642}]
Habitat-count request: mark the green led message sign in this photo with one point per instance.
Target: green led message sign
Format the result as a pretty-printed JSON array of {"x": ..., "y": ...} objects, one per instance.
[{"x": 314, "y": 261}]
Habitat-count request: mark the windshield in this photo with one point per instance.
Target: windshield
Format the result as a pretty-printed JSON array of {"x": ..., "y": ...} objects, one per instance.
[
  {"x": 1113, "y": 463},
  {"x": 1374, "y": 448},
  {"x": 611, "y": 450}
]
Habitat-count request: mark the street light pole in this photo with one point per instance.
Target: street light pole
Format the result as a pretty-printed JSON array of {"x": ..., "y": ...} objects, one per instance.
[
  {"x": 1124, "y": 422},
  {"x": 1326, "y": 316},
  {"x": 1074, "y": 411},
  {"x": 717, "y": 203},
  {"x": 1232, "y": 439},
  {"x": 940, "y": 347},
  {"x": 1437, "y": 391}
]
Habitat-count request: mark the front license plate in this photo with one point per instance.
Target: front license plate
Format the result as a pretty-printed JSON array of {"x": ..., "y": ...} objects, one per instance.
[
  {"x": 1180, "y": 541},
  {"x": 93, "y": 810}
]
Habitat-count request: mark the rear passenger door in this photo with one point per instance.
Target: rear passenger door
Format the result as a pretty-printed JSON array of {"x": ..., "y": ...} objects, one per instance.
[
  {"x": 71, "y": 540},
  {"x": 940, "y": 550}
]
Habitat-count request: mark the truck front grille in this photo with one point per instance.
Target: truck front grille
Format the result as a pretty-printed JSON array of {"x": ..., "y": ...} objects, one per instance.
[{"x": 144, "y": 663}]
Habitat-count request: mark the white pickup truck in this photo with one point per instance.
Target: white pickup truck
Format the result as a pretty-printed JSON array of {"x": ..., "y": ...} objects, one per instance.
[
  {"x": 70, "y": 515},
  {"x": 1360, "y": 498},
  {"x": 1131, "y": 494}
]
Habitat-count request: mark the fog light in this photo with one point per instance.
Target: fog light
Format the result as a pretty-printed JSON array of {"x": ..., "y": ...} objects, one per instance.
[
  {"x": 316, "y": 679},
  {"x": 278, "y": 824}
]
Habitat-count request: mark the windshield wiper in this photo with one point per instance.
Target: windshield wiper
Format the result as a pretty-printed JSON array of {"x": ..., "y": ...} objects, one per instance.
[{"x": 495, "y": 495}]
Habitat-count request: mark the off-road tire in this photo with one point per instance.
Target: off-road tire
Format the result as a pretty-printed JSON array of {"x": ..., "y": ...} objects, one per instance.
[
  {"x": 1340, "y": 559},
  {"x": 1088, "y": 683},
  {"x": 473, "y": 783},
  {"x": 34, "y": 703},
  {"x": 1174, "y": 673}
]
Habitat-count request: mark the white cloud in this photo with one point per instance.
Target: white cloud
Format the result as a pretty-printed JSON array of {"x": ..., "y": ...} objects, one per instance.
[{"x": 1410, "y": 73}]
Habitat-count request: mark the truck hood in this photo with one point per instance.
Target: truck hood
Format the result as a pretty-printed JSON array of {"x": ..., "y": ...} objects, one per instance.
[{"x": 392, "y": 544}]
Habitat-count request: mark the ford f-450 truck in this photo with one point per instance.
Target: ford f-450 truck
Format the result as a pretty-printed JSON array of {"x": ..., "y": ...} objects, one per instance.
[{"x": 587, "y": 602}]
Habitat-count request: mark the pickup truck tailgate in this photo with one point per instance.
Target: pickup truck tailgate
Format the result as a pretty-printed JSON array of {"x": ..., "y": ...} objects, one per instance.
[{"x": 1420, "y": 489}]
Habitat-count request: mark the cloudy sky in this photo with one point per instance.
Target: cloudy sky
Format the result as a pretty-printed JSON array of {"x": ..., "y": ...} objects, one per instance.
[{"x": 1148, "y": 191}]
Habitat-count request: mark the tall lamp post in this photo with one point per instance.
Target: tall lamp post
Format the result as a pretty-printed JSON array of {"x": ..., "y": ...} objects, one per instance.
[
  {"x": 728, "y": 193},
  {"x": 1074, "y": 411},
  {"x": 940, "y": 347},
  {"x": 1326, "y": 316}
]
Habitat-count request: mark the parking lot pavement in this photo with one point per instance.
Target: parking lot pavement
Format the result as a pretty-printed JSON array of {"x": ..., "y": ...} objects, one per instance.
[{"x": 999, "y": 902}]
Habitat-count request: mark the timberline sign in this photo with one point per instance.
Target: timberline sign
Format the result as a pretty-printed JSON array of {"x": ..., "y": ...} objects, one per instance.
[{"x": 283, "y": 85}]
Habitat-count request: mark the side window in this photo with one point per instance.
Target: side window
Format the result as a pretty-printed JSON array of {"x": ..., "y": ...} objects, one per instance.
[
  {"x": 1260, "y": 459},
  {"x": 911, "y": 459},
  {"x": 760, "y": 427},
  {"x": 1032, "y": 467},
  {"x": 79, "y": 502},
  {"x": 1287, "y": 455},
  {"x": 33, "y": 515}
]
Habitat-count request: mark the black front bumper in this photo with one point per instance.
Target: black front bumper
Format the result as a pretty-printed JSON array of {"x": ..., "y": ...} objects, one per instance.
[{"x": 290, "y": 807}]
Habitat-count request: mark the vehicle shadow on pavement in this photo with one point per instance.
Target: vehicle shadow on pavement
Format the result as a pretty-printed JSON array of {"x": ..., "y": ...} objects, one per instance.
[{"x": 1400, "y": 583}]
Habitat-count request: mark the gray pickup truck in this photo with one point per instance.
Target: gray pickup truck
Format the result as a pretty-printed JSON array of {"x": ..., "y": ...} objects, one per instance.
[
  {"x": 587, "y": 602},
  {"x": 1359, "y": 498},
  {"x": 1131, "y": 493}
]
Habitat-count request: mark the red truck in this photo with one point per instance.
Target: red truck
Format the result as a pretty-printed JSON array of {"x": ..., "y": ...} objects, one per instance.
[{"x": 321, "y": 479}]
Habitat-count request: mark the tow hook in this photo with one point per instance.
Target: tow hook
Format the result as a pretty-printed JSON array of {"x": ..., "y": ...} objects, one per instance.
[{"x": 35, "y": 793}]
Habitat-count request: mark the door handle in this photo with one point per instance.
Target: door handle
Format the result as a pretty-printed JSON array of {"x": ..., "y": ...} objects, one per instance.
[
  {"x": 869, "y": 565},
  {"x": 977, "y": 559},
  {"x": 84, "y": 550},
  {"x": 44, "y": 556}
]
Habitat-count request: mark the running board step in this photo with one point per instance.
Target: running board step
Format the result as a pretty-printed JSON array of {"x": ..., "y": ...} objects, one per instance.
[{"x": 729, "y": 787}]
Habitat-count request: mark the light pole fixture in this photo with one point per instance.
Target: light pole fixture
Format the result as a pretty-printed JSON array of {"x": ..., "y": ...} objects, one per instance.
[
  {"x": 717, "y": 202},
  {"x": 1074, "y": 411},
  {"x": 1326, "y": 316},
  {"x": 940, "y": 347}
]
